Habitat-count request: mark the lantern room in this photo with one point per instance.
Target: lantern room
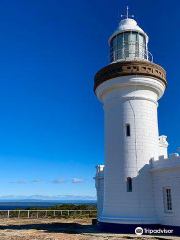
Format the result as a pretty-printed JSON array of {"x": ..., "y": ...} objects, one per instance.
[{"x": 129, "y": 42}]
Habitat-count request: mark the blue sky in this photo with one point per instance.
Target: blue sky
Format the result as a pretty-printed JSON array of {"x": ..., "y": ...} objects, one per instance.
[{"x": 51, "y": 124}]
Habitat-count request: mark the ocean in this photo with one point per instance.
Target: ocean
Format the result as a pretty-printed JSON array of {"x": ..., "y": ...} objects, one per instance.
[{"x": 41, "y": 204}]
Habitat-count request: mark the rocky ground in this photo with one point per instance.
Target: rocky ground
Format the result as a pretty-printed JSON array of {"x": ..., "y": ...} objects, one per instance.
[{"x": 60, "y": 229}]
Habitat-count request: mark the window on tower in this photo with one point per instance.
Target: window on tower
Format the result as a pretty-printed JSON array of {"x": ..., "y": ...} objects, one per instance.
[
  {"x": 128, "y": 130},
  {"x": 167, "y": 200},
  {"x": 129, "y": 184}
]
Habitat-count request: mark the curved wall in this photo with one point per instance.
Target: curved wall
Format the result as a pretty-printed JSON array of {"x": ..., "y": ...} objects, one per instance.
[{"x": 130, "y": 100}]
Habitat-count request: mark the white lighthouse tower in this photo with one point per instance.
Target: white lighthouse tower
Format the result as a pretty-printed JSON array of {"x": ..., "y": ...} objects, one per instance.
[{"x": 129, "y": 88}]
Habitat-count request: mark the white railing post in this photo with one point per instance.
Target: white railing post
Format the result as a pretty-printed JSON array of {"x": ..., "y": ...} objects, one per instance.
[
  {"x": 8, "y": 213},
  {"x": 28, "y": 213}
]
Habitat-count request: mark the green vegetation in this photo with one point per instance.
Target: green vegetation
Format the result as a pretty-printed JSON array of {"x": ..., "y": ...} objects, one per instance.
[
  {"x": 67, "y": 207},
  {"x": 66, "y": 211}
]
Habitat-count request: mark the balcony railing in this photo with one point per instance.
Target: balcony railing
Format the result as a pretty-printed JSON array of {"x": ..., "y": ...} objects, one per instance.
[{"x": 130, "y": 51}]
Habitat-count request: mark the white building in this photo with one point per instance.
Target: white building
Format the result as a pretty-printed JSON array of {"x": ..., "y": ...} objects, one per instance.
[{"x": 139, "y": 186}]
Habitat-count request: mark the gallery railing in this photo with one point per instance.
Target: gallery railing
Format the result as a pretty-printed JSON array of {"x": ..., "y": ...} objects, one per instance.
[{"x": 129, "y": 51}]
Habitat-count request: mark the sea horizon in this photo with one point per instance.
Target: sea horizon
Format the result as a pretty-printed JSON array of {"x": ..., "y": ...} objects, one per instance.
[{"x": 24, "y": 204}]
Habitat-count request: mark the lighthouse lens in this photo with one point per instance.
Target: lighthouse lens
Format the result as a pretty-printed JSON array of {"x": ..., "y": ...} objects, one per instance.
[{"x": 128, "y": 45}]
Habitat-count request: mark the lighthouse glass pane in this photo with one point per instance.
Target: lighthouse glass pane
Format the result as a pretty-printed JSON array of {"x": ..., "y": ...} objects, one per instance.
[
  {"x": 113, "y": 52},
  {"x": 133, "y": 47},
  {"x": 126, "y": 44},
  {"x": 142, "y": 45},
  {"x": 120, "y": 46},
  {"x": 130, "y": 44}
]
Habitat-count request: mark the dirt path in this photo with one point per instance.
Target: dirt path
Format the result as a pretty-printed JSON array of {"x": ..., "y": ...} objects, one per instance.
[{"x": 60, "y": 229}]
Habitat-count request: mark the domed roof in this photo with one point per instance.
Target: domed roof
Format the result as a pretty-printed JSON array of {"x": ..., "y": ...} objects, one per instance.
[{"x": 128, "y": 24}]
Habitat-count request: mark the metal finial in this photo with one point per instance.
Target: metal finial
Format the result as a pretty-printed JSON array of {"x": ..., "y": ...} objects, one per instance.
[{"x": 127, "y": 14}]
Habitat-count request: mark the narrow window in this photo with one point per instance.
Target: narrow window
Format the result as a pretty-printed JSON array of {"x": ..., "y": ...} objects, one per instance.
[
  {"x": 128, "y": 130},
  {"x": 129, "y": 184},
  {"x": 167, "y": 199}
]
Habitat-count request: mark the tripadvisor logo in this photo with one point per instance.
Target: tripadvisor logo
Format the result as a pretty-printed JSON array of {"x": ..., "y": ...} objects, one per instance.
[{"x": 138, "y": 231}]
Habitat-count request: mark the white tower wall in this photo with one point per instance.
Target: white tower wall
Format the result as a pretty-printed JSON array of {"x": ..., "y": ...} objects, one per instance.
[{"x": 130, "y": 100}]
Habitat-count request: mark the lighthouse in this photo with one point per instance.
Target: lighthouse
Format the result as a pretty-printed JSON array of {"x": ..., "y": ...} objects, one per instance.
[{"x": 129, "y": 88}]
